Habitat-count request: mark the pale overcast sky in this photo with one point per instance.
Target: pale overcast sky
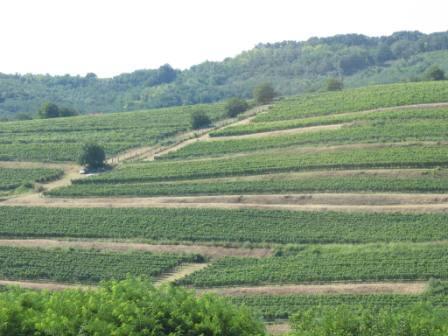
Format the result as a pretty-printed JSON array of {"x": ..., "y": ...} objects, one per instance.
[{"x": 109, "y": 37}]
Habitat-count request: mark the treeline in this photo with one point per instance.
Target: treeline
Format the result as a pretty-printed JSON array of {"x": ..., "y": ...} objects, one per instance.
[{"x": 292, "y": 67}]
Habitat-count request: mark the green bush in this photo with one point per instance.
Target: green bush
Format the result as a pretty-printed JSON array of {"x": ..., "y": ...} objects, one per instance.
[
  {"x": 130, "y": 307},
  {"x": 418, "y": 320},
  {"x": 264, "y": 93},
  {"x": 235, "y": 106},
  {"x": 92, "y": 156},
  {"x": 200, "y": 120}
]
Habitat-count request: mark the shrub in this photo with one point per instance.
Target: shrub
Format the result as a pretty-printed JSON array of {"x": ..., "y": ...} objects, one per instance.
[
  {"x": 435, "y": 73},
  {"x": 92, "y": 156},
  {"x": 235, "y": 106},
  {"x": 264, "y": 93},
  {"x": 334, "y": 84},
  {"x": 128, "y": 307},
  {"x": 200, "y": 120}
]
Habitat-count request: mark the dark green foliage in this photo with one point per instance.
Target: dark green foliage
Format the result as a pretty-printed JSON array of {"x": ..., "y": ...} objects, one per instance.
[
  {"x": 51, "y": 110},
  {"x": 199, "y": 119},
  {"x": 417, "y": 320},
  {"x": 129, "y": 307},
  {"x": 292, "y": 67},
  {"x": 334, "y": 84},
  {"x": 435, "y": 73},
  {"x": 235, "y": 106},
  {"x": 264, "y": 93},
  {"x": 92, "y": 156}
]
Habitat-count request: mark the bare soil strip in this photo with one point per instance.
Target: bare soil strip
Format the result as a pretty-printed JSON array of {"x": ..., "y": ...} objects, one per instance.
[
  {"x": 42, "y": 285},
  {"x": 365, "y": 202},
  {"x": 278, "y": 328},
  {"x": 205, "y": 250},
  {"x": 281, "y": 132},
  {"x": 332, "y": 288},
  {"x": 179, "y": 273}
]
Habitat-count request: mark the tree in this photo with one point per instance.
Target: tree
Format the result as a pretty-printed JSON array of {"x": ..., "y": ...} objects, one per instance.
[
  {"x": 51, "y": 110},
  {"x": 264, "y": 93},
  {"x": 48, "y": 110},
  {"x": 200, "y": 120},
  {"x": 334, "y": 84},
  {"x": 435, "y": 73},
  {"x": 127, "y": 307},
  {"x": 92, "y": 156},
  {"x": 235, "y": 106}
]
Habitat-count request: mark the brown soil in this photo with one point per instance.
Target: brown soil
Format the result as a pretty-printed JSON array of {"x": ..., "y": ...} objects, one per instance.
[
  {"x": 333, "y": 288},
  {"x": 179, "y": 273},
  {"x": 278, "y": 328},
  {"x": 41, "y": 285},
  {"x": 205, "y": 250}
]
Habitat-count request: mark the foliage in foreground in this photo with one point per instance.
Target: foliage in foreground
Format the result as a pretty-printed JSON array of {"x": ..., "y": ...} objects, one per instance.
[
  {"x": 418, "y": 320},
  {"x": 130, "y": 307}
]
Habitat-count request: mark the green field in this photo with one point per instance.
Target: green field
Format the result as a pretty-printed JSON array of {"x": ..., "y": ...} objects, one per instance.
[
  {"x": 360, "y": 99},
  {"x": 61, "y": 139},
  {"x": 83, "y": 266},
  {"x": 281, "y": 307},
  {"x": 388, "y": 116},
  {"x": 375, "y": 131},
  {"x": 421, "y": 181},
  {"x": 287, "y": 160},
  {"x": 329, "y": 263},
  {"x": 216, "y": 225},
  {"x": 13, "y": 178}
]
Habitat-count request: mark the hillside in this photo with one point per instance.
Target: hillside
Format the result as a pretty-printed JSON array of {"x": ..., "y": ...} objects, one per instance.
[
  {"x": 319, "y": 202},
  {"x": 292, "y": 67}
]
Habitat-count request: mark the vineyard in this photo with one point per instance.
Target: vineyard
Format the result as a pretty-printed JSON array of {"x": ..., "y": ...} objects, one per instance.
[
  {"x": 354, "y": 100},
  {"x": 287, "y": 160},
  {"x": 61, "y": 139},
  {"x": 330, "y": 263},
  {"x": 215, "y": 225},
  {"x": 376, "y": 131},
  {"x": 357, "y": 203},
  {"x": 12, "y": 178},
  {"x": 425, "y": 181},
  {"x": 83, "y": 266},
  {"x": 281, "y": 307}
]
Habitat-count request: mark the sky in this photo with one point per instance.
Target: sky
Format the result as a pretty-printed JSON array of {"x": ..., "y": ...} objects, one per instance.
[{"x": 109, "y": 37}]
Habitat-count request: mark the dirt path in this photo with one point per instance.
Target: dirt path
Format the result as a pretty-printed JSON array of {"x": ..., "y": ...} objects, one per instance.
[
  {"x": 278, "y": 328},
  {"x": 281, "y": 132},
  {"x": 365, "y": 202},
  {"x": 203, "y": 135},
  {"x": 332, "y": 288},
  {"x": 42, "y": 285},
  {"x": 179, "y": 273},
  {"x": 205, "y": 250}
]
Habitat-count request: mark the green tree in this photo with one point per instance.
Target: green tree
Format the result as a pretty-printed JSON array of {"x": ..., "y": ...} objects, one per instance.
[
  {"x": 235, "y": 106},
  {"x": 48, "y": 110},
  {"x": 92, "y": 156},
  {"x": 200, "y": 120},
  {"x": 128, "y": 307},
  {"x": 264, "y": 93},
  {"x": 435, "y": 73},
  {"x": 334, "y": 84}
]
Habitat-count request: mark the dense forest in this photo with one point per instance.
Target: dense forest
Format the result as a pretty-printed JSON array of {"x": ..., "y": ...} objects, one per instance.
[{"x": 292, "y": 67}]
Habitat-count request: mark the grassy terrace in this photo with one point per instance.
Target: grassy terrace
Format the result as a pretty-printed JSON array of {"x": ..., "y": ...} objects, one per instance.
[
  {"x": 353, "y": 100},
  {"x": 421, "y": 181},
  {"x": 274, "y": 307},
  {"x": 389, "y": 116},
  {"x": 329, "y": 263},
  {"x": 217, "y": 225},
  {"x": 288, "y": 160},
  {"x": 12, "y": 178},
  {"x": 83, "y": 266},
  {"x": 374, "y": 131},
  {"x": 61, "y": 139}
]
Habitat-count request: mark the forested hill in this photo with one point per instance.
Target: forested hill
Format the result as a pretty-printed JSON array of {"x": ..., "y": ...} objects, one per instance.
[{"x": 292, "y": 67}]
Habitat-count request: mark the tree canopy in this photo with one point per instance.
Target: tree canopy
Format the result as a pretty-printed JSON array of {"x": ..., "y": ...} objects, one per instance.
[
  {"x": 92, "y": 156},
  {"x": 264, "y": 93},
  {"x": 129, "y": 307},
  {"x": 235, "y": 106}
]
